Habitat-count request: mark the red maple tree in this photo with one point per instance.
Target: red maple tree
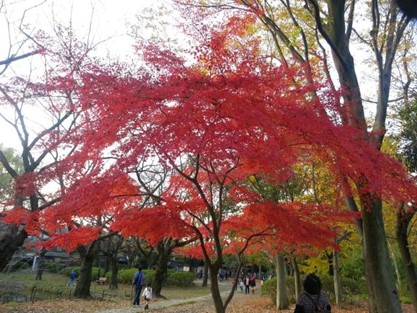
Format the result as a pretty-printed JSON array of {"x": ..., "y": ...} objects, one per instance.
[
  {"x": 231, "y": 113},
  {"x": 212, "y": 122}
]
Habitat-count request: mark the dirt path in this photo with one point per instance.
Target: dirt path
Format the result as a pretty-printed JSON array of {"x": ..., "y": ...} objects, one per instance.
[{"x": 241, "y": 303}]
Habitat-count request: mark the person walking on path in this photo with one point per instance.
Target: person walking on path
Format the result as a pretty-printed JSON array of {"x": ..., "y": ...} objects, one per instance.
[
  {"x": 241, "y": 285},
  {"x": 252, "y": 284},
  {"x": 312, "y": 299},
  {"x": 147, "y": 295},
  {"x": 246, "y": 281},
  {"x": 138, "y": 281},
  {"x": 73, "y": 275}
]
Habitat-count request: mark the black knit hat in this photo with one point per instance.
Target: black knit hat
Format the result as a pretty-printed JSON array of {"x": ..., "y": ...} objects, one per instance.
[{"x": 312, "y": 284}]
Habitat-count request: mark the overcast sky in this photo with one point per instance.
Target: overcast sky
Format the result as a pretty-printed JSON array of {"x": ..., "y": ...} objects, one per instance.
[{"x": 108, "y": 18}]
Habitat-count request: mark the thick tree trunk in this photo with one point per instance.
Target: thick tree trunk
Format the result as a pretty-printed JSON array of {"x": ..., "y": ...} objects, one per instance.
[
  {"x": 108, "y": 260},
  {"x": 215, "y": 291},
  {"x": 82, "y": 289},
  {"x": 11, "y": 239},
  {"x": 282, "y": 297},
  {"x": 161, "y": 269},
  {"x": 114, "y": 271},
  {"x": 403, "y": 221},
  {"x": 383, "y": 295}
]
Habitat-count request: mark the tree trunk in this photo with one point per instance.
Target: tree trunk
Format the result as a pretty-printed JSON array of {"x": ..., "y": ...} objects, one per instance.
[
  {"x": 396, "y": 268},
  {"x": 205, "y": 275},
  {"x": 108, "y": 260},
  {"x": 161, "y": 269},
  {"x": 336, "y": 279},
  {"x": 282, "y": 297},
  {"x": 11, "y": 239},
  {"x": 383, "y": 295},
  {"x": 215, "y": 291},
  {"x": 114, "y": 271},
  {"x": 403, "y": 221},
  {"x": 87, "y": 253},
  {"x": 297, "y": 278}
]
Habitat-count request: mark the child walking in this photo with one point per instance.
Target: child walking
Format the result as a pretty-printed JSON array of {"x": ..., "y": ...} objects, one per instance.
[{"x": 147, "y": 295}]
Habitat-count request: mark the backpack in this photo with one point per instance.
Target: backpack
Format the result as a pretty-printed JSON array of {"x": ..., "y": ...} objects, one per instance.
[{"x": 318, "y": 308}]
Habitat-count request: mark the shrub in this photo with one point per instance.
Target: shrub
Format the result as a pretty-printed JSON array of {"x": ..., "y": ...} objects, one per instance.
[
  {"x": 269, "y": 288},
  {"x": 126, "y": 275},
  {"x": 67, "y": 270},
  {"x": 180, "y": 279},
  {"x": 97, "y": 272},
  {"x": 149, "y": 275},
  {"x": 53, "y": 267}
]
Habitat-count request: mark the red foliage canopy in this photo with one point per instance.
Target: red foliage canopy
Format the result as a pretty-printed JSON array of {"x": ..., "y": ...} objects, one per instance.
[{"x": 213, "y": 122}]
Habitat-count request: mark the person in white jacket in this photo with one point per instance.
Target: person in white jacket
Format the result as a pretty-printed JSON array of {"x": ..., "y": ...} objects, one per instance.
[{"x": 147, "y": 295}]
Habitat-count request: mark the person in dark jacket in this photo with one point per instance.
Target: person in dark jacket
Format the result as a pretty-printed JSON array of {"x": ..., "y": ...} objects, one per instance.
[
  {"x": 252, "y": 283},
  {"x": 73, "y": 276},
  {"x": 312, "y": 299},
  {"x": 246, "y": 282},
  {"x": 138, "y": 281}
]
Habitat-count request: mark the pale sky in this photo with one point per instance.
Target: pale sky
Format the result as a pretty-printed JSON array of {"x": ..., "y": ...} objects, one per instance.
[{"x": 108, "y": 18}]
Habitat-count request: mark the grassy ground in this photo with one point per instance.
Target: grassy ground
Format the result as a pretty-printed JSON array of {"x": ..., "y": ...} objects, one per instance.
[
  {"x": 53, "y": 295},
  {"x": 120, "y": 300},
  {"x": 56, "y": 284}
]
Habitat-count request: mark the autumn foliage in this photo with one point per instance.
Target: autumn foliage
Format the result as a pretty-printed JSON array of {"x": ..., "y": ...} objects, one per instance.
[{"x": 211, "y": 120}]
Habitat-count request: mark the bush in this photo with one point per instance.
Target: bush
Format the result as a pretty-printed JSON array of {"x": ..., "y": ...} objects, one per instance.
[
  {"x": 149, "y": 275},
  {"x": 126, "y": 275},
  {"x": 53, "y": 267},
  {"x": 269, "y": 288},
  {"x": 67, "y": 270},
  {"x": 180, "y": 279}
]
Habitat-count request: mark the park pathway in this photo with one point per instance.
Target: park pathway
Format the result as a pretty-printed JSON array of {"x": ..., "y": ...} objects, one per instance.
[{"x": 160, "y": 304}]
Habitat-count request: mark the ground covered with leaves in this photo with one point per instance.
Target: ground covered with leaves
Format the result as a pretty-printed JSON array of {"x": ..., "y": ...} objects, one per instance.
[
  {"x": 258, "y": 304},
  {"x": 240, "y": 304}
]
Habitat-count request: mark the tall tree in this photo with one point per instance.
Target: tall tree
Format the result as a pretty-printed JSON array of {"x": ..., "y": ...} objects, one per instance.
[
  {"x": 300, "y": 28},
  {"x": 216, "y": 121},
  {"x": 43, "y": 152}
]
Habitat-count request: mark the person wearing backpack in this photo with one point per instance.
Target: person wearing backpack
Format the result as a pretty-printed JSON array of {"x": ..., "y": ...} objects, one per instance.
[
  {"x": 312, "y": 300},
  {"x": 138, "y": 281}
]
